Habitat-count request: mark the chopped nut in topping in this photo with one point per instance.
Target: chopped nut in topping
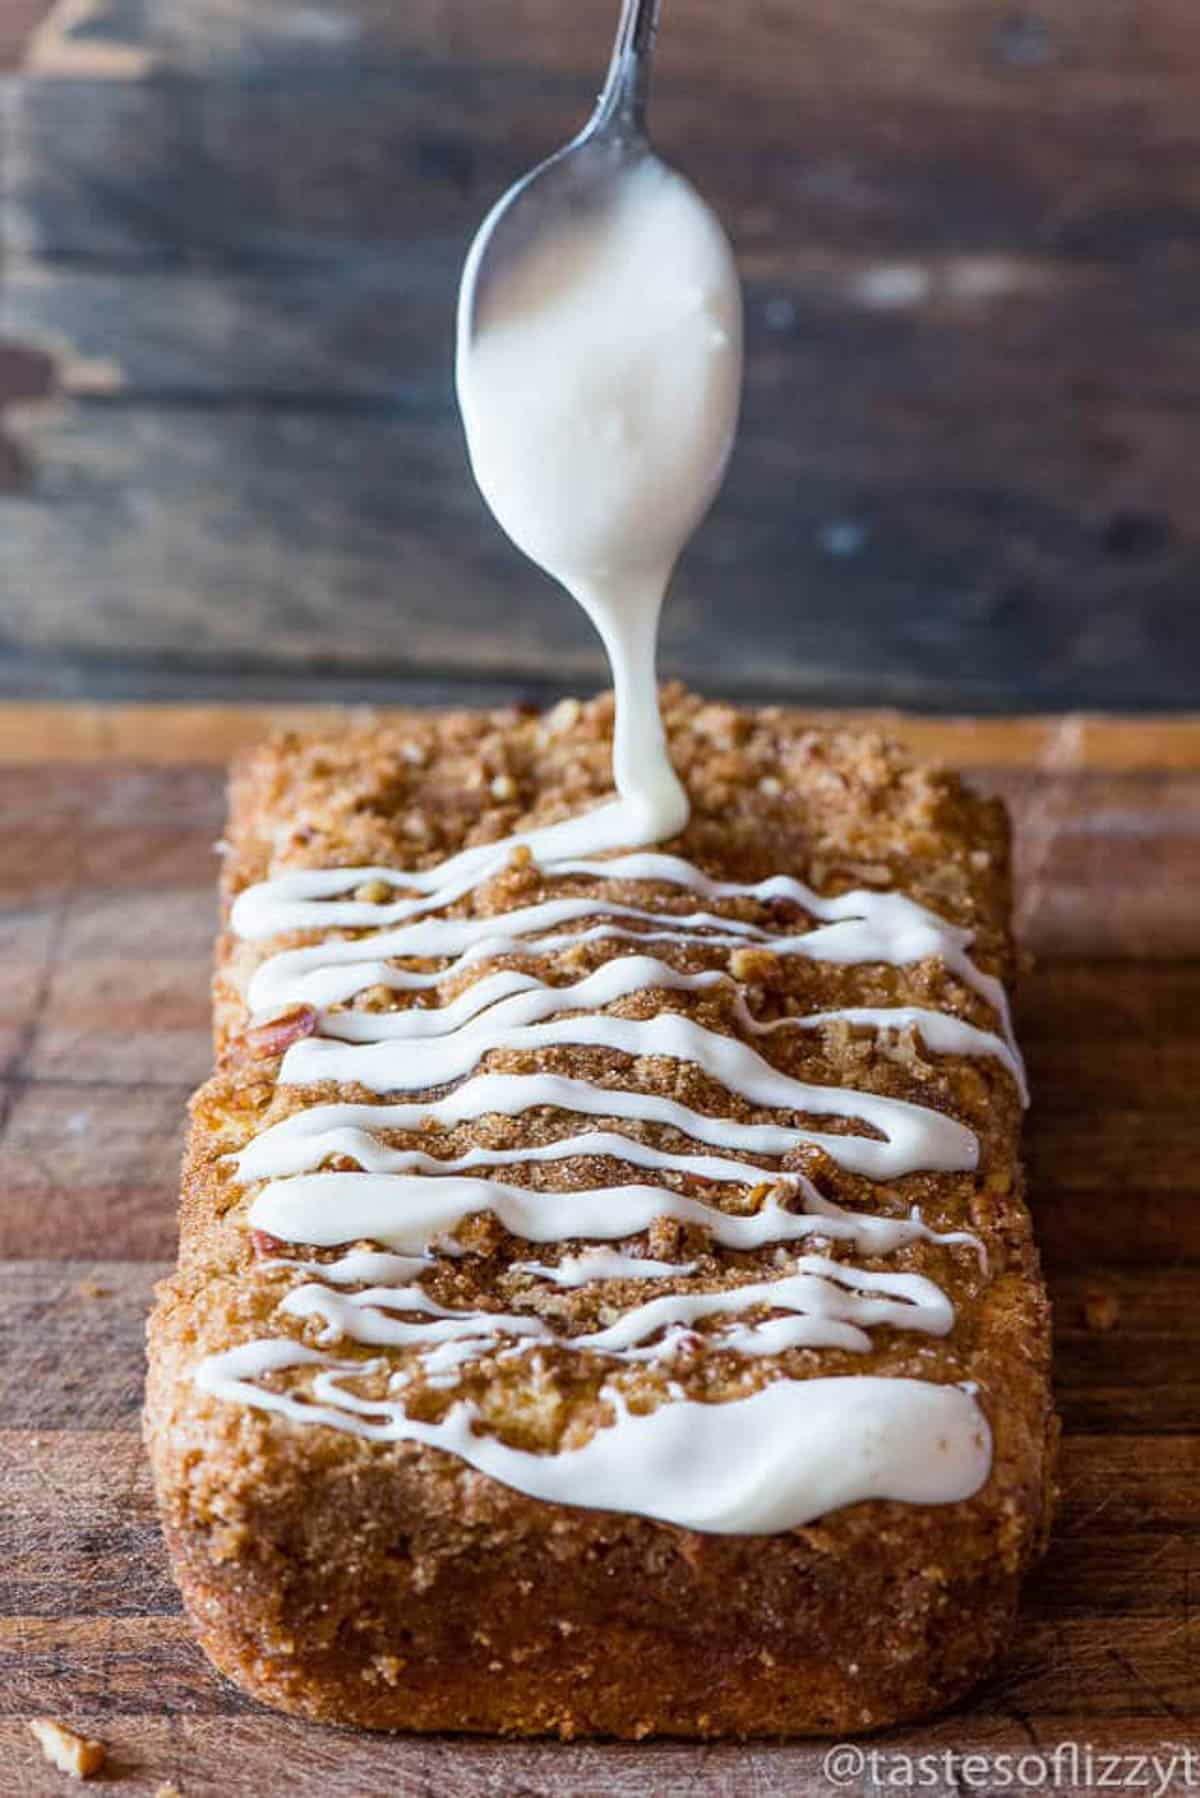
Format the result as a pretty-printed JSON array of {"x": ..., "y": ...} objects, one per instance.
[
  {"x": 753, "y": 966},
  {"x": 564, "y": 717},
  {"x": 267, "y": 1245},
  {"x": 273, "y": 1038},
  {"x": 904, "y": 1047},
  {"x": 870, "y": 874},
  {"x": 373, "y": 892},
  {"x": 504, "y": 787},
  {"x": 79, "y": 1756}
]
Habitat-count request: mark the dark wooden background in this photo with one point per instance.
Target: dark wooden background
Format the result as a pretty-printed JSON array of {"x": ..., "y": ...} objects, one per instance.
[{"x": 970, "y": 235}]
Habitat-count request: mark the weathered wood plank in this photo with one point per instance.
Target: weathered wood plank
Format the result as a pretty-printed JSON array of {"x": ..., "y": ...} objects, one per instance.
[
  {"x": 1130, "y": 843},
  {"x": 827, "y": 325},
  {"x": 318, "y": 160},
  {"x": 969, "y": 240},
  {"x": 379, "y": 328},
  {"x": 917, "y": 44},
  {"x": 78, "y": 1530},
  {"x": 234, "y": 1757},
  {"x": 1146, "y": 1362},
  {"x": 48, "y": 675},
  {"x": 977, "y": 401},
  {"x": 115, "y": 1661},
  {"x": 246, "y": 1756},
  {"x": 1078, "y": 1225},
  {"x": 127, "y": 1000},
  {"x": 90, "y": 1167},
  {"x": 915, "y": 41},
  {"x": 71, "y": 1342},
  {"x": 26, "y": 948},
  {"x": 1103, "y": 1069},
  {"x": 260, "y": 169},
  {"x": 240, "y": 1756},
  {"x": 933, "y": 288},
  {"x": 366, "y": 546}
]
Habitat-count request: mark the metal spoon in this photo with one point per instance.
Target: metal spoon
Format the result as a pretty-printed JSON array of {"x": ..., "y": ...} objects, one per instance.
[{"x": 583, "y": 174}]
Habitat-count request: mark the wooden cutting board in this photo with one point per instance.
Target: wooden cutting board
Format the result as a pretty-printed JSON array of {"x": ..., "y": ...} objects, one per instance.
[{"x": 108, "y": 820}]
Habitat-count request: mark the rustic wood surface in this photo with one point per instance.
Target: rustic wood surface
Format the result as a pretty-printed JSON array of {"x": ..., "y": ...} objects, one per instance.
[
  {"x": 970, "y": 235},
  {"x": 106, "y": 912}
]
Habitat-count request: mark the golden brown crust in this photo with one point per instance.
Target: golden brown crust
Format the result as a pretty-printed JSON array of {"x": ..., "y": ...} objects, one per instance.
[{"x": 392, "y": 1585}]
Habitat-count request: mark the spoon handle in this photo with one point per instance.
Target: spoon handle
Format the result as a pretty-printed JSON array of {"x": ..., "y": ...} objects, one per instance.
[{"x": 622, "y": 102}]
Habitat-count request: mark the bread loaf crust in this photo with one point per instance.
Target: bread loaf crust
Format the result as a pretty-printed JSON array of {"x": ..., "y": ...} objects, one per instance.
[{"x": 391, "y": 1585}]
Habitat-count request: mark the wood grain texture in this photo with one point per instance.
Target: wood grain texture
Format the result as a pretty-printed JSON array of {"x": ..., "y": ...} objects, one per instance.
[
  {"x": 106, "y": 908},
  {"x": 969, "y": 235}
]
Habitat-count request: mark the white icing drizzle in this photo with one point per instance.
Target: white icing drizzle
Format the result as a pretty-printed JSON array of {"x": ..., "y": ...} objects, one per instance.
[
  {"x": 284, "y": 1147},
  {"x": 604, "y": 1264},
  {"x": 753, "y": 1466},
  {"x": 861, "y": 926},
  {"x": 915, "y": 1137},
  {"x": 842, "y": 1438},
  {"x": 299, "y": 1144},
  {"x": 512, "y": 997},
  {"x": 409, "y": 1214},
  {"x": 829, "y": 1297},
  {"x": 367, "y": 1267}
]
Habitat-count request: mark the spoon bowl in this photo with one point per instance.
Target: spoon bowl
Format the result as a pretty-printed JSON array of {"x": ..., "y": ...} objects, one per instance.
[
  {"x": 599, "y": 375},
  {"x": 585, "y": 174}
]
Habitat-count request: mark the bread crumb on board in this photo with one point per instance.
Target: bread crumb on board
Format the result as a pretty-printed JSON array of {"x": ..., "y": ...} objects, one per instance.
[
  {"x": 1101, "y": 1311},
  {"x": 79, "y": 1756}
]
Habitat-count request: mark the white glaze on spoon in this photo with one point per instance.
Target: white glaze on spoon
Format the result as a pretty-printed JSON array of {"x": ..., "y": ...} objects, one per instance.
[{"x": 599, "y": 377}]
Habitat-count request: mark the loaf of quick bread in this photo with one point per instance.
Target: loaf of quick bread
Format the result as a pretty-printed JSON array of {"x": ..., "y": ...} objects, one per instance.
[{"x": 606, "y": 1300}]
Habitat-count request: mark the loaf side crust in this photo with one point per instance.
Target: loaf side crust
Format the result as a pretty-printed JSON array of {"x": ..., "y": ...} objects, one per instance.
[{"x": 395, "y": 1587}]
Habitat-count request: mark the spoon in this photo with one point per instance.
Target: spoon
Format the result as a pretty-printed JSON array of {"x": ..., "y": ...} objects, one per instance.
[
  {"x": 598, "y": 375},
  {"x": 583, "y": 174}
]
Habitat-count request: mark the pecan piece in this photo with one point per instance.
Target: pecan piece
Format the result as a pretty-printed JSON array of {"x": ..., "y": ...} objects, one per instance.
[
  {"x": 278, "y": 1034},
  {"x": 266, "y": 1245}
]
